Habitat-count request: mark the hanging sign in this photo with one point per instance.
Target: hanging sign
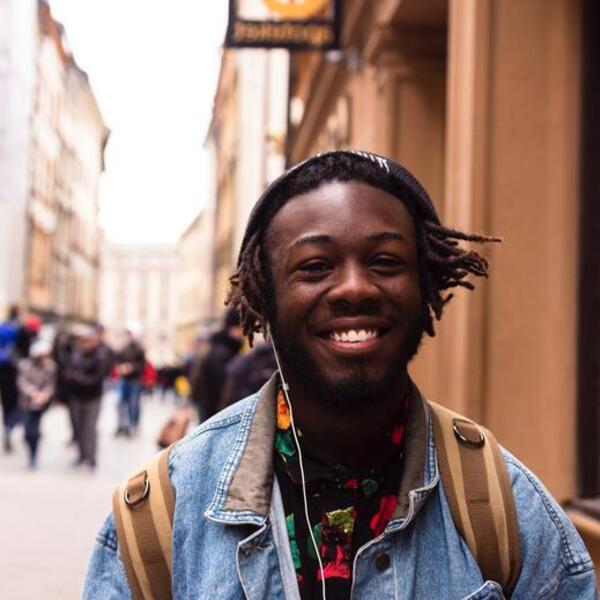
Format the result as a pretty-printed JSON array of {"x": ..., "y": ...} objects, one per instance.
[{"x": 291, "y": 24}]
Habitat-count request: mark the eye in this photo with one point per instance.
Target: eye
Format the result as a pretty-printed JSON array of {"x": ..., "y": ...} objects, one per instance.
[
  {"x": 386, "y": 263},
  {"x": 314, "y": 268}
]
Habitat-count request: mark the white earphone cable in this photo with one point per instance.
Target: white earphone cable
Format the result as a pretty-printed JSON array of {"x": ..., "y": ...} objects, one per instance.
[{"x": 300, "y": 461}]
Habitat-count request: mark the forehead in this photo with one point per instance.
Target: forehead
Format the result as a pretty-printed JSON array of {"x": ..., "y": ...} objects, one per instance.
[{"x": 340, "y": 207}]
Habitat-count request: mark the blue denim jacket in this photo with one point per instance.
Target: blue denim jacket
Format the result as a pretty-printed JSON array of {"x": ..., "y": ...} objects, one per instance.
[{"x": 230, "y": 539}]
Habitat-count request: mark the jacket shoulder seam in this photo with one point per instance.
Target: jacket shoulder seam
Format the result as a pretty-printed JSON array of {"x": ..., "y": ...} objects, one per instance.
[{"x": 204, "y": 428}]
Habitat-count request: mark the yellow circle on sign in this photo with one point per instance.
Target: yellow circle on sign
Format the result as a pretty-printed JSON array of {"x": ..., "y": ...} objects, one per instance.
[{"x": 296, "y": 9}]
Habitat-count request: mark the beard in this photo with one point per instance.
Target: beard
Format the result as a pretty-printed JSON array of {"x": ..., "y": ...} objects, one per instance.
[{"x": 357, "y": 388}]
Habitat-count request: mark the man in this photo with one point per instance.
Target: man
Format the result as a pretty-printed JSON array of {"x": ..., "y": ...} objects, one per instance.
[
  {"x": 345, "y": 265},
  {"x": 84, "y": 375},
  {"x": 247, "y": 373},
  {"x": 9, "y": 356},
  {"x": 130, "y": 368},
  {"x": 208, "y": 375}
]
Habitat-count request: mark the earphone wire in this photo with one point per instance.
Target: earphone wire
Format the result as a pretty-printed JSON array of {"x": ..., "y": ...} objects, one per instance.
[{"x": 286, "y": 388}]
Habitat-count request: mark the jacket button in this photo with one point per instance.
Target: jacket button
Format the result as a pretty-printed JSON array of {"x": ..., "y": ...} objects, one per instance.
[{"x": 382, "y": 561}]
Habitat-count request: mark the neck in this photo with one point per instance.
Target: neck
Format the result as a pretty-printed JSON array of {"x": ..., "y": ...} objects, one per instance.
[{"x": 348, "y": 435}]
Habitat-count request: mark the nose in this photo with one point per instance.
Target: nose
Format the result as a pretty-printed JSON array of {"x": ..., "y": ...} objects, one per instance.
[{"x": 353, "y": 286}]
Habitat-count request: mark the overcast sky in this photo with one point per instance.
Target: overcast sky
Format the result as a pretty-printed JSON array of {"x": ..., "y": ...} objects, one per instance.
[{"x": 153, "y": 65}]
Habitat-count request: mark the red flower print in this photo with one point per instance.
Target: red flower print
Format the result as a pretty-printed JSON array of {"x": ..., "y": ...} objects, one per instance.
[
  {"x": 397, "y": 433},
  {"x": 351, "y": 484},
  {"x": 387, "y": 506},
  {"x": 340, "y": 567}
]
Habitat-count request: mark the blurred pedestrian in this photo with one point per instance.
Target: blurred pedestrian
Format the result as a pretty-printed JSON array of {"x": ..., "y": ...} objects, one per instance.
[
  {"x": 9, "y": 356},
  {"x": 36, "y": 382},
  {"x": 62, "y": 348},
  {"x": 209, "y": 377},
  {"x": 148, "y": 380},
  {"x": 107, "y": 353},
  {"x": 84, "y": 375},
  {"x": 247, "y": 373},
  {"x": 129, "y": 367}
]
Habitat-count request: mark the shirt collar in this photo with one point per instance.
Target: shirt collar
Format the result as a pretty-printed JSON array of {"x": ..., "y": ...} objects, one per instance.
[{"x": 245, "y": 485}]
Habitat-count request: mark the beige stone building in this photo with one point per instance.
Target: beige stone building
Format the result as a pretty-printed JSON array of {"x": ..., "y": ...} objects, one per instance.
[
  {"x": 194, "y": 269},
  {"x": 138, "y": 286},
  {"x": 482, "y": 100},
  {"x": 246, "y": 142},
  {"x": 68, "y": 136}
]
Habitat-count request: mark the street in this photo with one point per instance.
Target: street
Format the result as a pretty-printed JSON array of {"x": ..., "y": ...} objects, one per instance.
[{"x": 49, "y": 517}]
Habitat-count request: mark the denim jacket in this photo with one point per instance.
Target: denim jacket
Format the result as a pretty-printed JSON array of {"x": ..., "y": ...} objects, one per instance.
[{"x": 230, "y": 539}]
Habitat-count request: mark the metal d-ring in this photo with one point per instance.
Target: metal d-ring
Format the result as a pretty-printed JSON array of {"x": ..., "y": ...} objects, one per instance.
[
  {"x": 467, "y": 441},
  {"x": 145, "y": 493}
]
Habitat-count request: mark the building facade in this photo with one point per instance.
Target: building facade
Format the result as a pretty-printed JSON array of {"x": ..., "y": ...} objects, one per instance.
[
  {"x": 194, "y": 264},
  {"x": 68, "y": 137},
  {"x": 246, "y": 142},
  {"x": 139, "y": 285},
  {"x": 483, "y": 100},
  {"x": 18, "y": 21}
]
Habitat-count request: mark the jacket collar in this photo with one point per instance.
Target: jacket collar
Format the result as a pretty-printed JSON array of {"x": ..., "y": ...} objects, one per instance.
[{"x": 245, "y": 486}]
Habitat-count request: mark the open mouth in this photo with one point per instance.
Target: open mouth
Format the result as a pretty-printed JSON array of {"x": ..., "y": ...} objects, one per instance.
[{"x": 354, "y": 336}]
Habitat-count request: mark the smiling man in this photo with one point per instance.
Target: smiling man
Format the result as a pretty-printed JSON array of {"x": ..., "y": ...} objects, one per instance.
[{"x": 327, "y": 482}]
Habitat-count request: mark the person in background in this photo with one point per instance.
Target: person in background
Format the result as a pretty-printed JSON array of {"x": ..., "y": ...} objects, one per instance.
[
  {"x": 108, "y": 355},
  {"x": 130, "y": 365},
  {"x": 84, "y": 375},
  {"x": 9, "y": 334},
  {"x": 36, "y": 381},
  {"x": 209, "y": 377},
  {"x": 247, "y": 373},
  {"x": 28, "y": 334},
  {"x": 148, "y": 380},
  {"x": 62, "y": 348}
]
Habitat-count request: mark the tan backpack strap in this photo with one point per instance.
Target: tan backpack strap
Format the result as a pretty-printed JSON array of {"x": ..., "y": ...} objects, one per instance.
[
  {"x": 143, "y": 507},
  {"x": 479, "y": 494}
]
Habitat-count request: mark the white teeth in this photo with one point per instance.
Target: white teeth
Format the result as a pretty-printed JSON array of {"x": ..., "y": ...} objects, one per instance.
[{"x": 353, "y": 336}]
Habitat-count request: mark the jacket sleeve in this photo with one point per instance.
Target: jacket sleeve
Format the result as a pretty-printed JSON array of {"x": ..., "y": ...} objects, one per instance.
[
  {"x": 106, "y": 576},
  {"x": 555, "y": 562}
]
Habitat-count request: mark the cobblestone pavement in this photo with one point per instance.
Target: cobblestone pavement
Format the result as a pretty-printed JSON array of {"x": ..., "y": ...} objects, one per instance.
[{"x": 49, "y": 517}]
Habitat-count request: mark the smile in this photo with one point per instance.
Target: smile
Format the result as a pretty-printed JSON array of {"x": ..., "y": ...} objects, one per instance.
[{"x": 354, "y": 336}]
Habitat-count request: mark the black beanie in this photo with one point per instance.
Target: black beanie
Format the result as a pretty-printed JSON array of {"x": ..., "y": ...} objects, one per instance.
[{"x": 409, "y": 189}]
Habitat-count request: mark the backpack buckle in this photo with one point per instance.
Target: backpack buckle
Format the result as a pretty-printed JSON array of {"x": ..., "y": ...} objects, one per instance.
[
  {"x": 137, "y": 482},
  {"x": 468, "y": 434}
]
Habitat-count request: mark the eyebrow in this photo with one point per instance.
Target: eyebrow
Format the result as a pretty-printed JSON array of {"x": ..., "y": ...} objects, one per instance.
[
  {"x": 312, "y": 239},
  {"x": 382, "y": 236}
]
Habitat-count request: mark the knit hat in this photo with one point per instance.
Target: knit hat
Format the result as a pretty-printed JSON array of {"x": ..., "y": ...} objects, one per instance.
[{"x": 409, "y": 189}]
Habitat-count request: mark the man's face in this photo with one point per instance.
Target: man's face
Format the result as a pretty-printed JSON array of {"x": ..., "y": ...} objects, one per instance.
[{"x": 344, "y": 268}]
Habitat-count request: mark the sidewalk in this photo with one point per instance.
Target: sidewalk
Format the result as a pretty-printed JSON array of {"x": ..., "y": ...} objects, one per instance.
[{"x": 49, "y": 517}]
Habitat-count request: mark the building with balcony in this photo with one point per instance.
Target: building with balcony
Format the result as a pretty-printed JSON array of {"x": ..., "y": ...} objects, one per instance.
[
  {"x": 68, "y": 136},
  {"x": 493, "y": 105},
  {"x": 246, "y": 141}
]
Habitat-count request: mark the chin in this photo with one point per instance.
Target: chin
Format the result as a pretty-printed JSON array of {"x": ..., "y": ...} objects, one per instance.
[{"x": 354, "y": 390}]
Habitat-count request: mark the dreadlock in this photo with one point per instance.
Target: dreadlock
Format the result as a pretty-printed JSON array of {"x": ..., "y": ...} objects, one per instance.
[{"x": 443, "y": 264}]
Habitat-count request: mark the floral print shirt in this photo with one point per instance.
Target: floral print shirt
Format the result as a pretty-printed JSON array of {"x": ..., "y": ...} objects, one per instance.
[{"x": 348, "y": 506}]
